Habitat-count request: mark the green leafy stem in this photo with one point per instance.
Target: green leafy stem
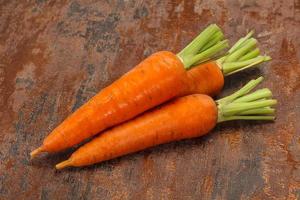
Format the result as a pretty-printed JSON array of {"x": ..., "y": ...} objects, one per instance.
[
  {"x": 244, "y": 106},
  {"x": 210, "y": 42},
  {"x": 242, "y": 55},
  {"x": 204, "y": 47}
]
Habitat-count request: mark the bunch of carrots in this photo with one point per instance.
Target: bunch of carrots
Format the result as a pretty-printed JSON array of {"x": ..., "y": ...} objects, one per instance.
[{"x": 165, "y": 98}]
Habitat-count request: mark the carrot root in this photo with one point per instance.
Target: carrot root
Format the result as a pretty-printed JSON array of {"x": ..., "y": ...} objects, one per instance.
[
  {"x": 134, "y": 93},
  {"x": 64, "y": 164},
  {"x": 198, "y": 114},
  {"x": 36, "y": 152}
]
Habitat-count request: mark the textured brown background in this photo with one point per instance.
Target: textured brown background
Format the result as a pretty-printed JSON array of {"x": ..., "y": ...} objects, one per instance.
[{"x": 54, "y": 56}]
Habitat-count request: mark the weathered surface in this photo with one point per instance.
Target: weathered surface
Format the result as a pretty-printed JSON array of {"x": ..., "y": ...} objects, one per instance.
[{"x": 54, "y": 56}]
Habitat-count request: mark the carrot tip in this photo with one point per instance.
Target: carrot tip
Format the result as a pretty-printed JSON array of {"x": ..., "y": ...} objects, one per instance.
[
  {"x": 35, "y": 152},
  {"x": 63, "y": 164}
]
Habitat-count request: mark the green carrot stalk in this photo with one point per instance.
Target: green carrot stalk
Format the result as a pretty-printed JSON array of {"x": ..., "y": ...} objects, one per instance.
[
  {"x": 243, "y": 105},
  {"x": 204, "y": 47},
  {"x": 242, "y": 55}
]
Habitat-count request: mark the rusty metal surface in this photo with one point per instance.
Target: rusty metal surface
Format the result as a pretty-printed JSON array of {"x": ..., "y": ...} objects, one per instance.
[{"x": 54, "y": 56}]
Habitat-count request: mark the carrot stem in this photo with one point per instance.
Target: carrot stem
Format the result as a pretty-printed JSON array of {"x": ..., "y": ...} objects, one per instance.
[
  {"x": 234, "y": 108},
  {"x": 250, "y": 55},
  {"x": 207, "y": 54},
  {"x": 253, "y": 117},
  {"x": 241, "y": 92},
  {"x": 218, "y": 36},
  {"x": 243, "y": 106},
  {"x": 259, "y": 94},
  {"x": 233, "y": 67},
  {"x": 242, "y": 55},
  {"x": 208, "y": 43},
  {"x": 266, "y": 110},
  {"x": 240, "y": 42},
  {"x": 249, "y": 45},
  {"x": 200, "y": 40}
]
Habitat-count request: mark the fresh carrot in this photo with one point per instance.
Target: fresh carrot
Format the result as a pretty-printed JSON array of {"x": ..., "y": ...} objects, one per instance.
[
  {"x": 185, "y": 117},
  {"x": 160, "y": 77}
]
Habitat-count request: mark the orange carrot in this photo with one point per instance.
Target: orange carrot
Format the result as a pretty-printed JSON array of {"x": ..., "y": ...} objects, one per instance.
[
  {"x": 132, "y": 94},
  {"x": 177, "y": 120},
  {"x": 160, "y": 77},
  {"x": 206, "y": 78},
  {"x": 186, "y": 117}
]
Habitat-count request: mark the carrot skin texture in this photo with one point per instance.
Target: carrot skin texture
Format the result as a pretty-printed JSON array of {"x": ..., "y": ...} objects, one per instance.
[
  {"x": 155, "y": 80},
  {"x": 186, "y": 117},
  {"x": 206, "y": 78}
]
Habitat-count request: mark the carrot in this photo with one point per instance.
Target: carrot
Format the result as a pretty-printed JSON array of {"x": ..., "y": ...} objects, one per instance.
[
  {"x": 155, "y": 80},
  {"x": 160, "y": 77},
  {"x": 185, "y": 117},
  {"x": 206, "y": 78}
]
